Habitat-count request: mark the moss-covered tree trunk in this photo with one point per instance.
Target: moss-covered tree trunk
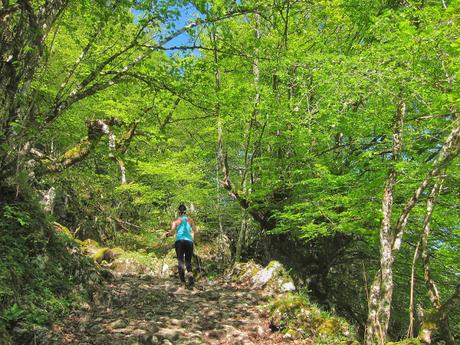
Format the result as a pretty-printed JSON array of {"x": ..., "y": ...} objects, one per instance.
[
  {"x": 436, "y": 320},
  {"x": 23, "y": 30}
]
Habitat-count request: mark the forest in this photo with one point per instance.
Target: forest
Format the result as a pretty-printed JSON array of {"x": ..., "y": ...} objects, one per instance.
[{"x": 323, "y": 134}]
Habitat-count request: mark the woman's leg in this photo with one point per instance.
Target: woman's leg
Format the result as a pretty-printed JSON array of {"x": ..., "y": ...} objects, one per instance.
[
  {"x": 188, "y": 251},
  {"x": 180, "y": 251},
  {"x": 188, "y": 261}
]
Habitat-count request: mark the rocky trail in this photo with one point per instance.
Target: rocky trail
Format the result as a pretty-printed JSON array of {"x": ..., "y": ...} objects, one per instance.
[{"x": 151, "y": 310}]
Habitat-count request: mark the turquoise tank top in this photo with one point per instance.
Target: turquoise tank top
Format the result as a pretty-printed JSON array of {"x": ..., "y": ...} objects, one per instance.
[{"x": 184, "y": 230}]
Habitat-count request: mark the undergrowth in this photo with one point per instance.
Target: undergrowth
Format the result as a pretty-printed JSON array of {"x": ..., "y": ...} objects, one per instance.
[{"x": 39, "y": 269}]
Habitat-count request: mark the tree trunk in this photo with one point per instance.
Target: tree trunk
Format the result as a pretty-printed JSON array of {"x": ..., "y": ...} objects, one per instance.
[
  {"x": 437, "y": 320},
  {"x": 122, "y": 169},
  {"x": 23, "y": 32},
  {"x": 410, "y": 329},
  {"x": 256, "y": 103},
  {"x": 381, "y": 291},
  {"x": 222, "y": 161},
  {"x": 437, "y": 317},
  {"x": 241, "y": 236},
  {"x": 247, "y": 147},
  {"x": 382, "y": 286},
  {"x": 96, "y": 130},
  {"x": 49, "y": 197},
  {"x": 430, "y": 284}
]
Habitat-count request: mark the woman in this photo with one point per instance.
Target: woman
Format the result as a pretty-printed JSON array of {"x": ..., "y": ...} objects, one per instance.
[{"x": 185, "y": 230}]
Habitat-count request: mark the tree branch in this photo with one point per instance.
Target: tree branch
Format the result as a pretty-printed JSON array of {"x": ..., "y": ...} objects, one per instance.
[
  {"x": 96, "y": 129},
  {"x": 80, "y": 92},
  {"x": 449, "y": 151}
]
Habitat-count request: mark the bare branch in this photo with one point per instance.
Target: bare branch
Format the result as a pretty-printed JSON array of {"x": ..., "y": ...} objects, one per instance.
[
  {"x": 96, "y": 129},
  {"x": 449, "y": 151}
]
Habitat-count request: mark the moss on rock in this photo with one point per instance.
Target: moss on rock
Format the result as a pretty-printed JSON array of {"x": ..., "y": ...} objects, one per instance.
[
  {"x": 112, "y": 254},
  {"x": 293, "y": 314},
  {"x": 63, "y": 229},
  {"x": 273, "y": 278},
  {"x": 243, "y": 272},
  {"x": 89, "y": 246},
  {"x": 99, "y": 254}
]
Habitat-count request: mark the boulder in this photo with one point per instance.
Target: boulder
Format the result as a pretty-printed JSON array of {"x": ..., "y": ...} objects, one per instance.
[
  {"x": 98, "y": 254},
  {"x": 297, "y": 318},
  {"x": 273, "y": 278},
  {"x": 288, "y": 286},
  {"x": 105, "y": 254},
  {"x": 112, "y": 254},
  {"x": 243, "y": 272},
  {"x": 89, "y": 247}
]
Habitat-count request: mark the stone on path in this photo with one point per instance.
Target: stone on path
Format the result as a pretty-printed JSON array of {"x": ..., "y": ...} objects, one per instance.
[
  {"x": 170, "y": 333},
  {"x": 118, "y": 324}
]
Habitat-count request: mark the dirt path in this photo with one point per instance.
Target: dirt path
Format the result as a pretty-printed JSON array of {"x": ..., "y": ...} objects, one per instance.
[{"x": 135, "y": 310}]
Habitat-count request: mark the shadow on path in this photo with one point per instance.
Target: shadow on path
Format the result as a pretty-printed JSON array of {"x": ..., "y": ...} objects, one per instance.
[{"x": 133, "y": 310}]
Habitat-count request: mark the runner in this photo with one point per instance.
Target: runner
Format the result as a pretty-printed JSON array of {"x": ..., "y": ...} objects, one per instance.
[{"x": 185, "y": 230}]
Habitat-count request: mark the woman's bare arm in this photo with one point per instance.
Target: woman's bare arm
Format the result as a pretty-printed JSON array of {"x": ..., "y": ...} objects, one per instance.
[{"x": 173, "y": 228}]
